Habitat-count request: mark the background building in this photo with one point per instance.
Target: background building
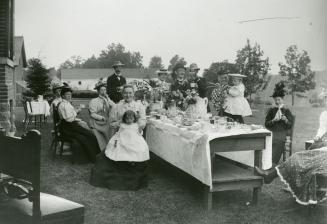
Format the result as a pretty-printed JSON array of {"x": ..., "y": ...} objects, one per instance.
[{"x": 85, "y": 79}]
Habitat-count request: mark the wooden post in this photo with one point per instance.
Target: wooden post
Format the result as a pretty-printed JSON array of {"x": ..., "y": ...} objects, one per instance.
[{"x": 207, "y": 197}]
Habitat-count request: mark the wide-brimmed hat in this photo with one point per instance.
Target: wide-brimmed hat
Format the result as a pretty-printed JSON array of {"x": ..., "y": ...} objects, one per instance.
[
  {"x": 279, "y": 90},
  {"x": 178, "y": 66},
  {"x": 194, "y": 67},
  {"x": 117, "y": 64},
  {"x": 162, "y": 71},
  {"x": 65, "y": 88},
  {"x": 237, "y": 75},
  {"x": 100, "y": 84},
  {"x": 56, "y": 86}
]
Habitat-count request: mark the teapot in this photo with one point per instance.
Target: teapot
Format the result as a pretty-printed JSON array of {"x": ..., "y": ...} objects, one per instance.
[
  {"x": 199, "y": 109},
  {"x": 201, "y": 106}
]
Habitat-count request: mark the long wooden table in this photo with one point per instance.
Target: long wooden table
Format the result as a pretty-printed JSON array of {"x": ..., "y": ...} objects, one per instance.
[
  {"x": 227, "y": 175},
  {"x": 195, "y": 153}
]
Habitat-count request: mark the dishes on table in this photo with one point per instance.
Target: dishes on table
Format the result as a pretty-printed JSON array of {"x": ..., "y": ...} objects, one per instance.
[{"x": 256, "y": 127}]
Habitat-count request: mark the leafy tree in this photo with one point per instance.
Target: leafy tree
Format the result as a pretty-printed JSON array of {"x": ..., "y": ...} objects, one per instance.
[
  {"x": 251, "y": 62},
  {"x": 176, "y": 60},
  {"x": 37, "y": 78},
  {"x": 74, "y": 62},
  {"x": 107, "y": 57},
  {"x": 156, "y": 62},
  {"x": 300, "y": 77},
  {"x": 219, "y": 68},
  {"x": 91, "y": 62},
  {"x": 117, "y": 52}
]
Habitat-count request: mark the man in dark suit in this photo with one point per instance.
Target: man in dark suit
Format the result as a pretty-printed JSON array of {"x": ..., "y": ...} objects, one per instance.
[{"x": 115, "y": 83}]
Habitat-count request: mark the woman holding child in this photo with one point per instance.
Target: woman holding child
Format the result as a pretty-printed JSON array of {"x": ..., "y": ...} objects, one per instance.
[{"x": 123, "y": 164}]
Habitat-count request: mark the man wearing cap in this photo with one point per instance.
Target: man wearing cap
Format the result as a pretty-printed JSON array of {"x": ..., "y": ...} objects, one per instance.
[
  {"x": 115, "y": 83},
  {"x": 200, "y": 81}
]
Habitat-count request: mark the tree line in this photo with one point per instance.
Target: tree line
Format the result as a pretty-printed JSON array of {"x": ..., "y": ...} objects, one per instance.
[{"x": 250, "y": 61}]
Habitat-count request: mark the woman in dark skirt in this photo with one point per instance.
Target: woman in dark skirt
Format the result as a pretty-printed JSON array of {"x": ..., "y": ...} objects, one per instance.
[
  {"x": 84, "y": 142},
  {"x": 126, "y": 169},
  {"x": 279, "y": 120}
]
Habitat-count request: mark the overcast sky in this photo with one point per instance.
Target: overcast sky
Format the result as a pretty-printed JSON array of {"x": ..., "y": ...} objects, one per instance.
[{"x": 202, "y": 31}]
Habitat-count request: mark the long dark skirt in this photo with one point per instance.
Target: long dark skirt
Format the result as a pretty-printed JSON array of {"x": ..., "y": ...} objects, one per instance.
[
  {"x": 118, "y": 175},
  {"x": 84, "y": 142},
  {"x": 299, "y": 173},
  {"x": 278, "y": 145}
]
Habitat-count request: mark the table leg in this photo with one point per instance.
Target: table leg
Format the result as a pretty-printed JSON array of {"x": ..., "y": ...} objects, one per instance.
[
  {"x": 207, "y": 197},
  {"x": 255, "y": 195}
]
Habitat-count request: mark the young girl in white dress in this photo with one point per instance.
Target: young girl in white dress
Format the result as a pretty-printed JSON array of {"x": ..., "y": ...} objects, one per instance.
[
  {"x": 237, "y": 106},
  {"x": 128, "y": 143}
]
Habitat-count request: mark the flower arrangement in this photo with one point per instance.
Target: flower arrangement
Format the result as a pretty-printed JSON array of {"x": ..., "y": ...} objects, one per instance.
[
  {"x": 219, "y": 95},
  {"x": 191, "y": 97}
]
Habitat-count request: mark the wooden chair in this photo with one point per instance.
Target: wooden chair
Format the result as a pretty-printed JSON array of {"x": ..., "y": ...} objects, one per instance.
[
  {"x": 289, "y": 141},
  {"x": 57, "y": 137},
  {"x": 28, "y": 117},
  {"x": 20, "y": 161}
]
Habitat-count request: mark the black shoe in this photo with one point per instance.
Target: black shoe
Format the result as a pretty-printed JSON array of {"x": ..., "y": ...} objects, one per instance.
[{"x": 268, "y": 176}]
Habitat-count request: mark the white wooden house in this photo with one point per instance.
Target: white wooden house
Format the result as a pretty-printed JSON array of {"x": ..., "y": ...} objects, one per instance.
[{"x": 85, "y": 79}]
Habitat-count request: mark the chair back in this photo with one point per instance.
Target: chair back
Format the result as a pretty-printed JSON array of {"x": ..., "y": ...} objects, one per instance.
[{"x": 20, "y": 158}]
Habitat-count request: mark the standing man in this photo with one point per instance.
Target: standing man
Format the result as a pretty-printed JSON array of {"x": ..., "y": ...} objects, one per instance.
[
  {"x": 200, "y": 81},
  {"x": 115, "y": 83}
]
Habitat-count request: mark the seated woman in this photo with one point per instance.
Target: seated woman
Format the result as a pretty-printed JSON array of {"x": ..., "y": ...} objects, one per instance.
[
  {"x": 84, "y": 143},
  {"x": 279, "y": 120},
  {"x": 100, "y": 108},
  {"x": 123, "y": 165},
  {"x": 298, "y": 172}
]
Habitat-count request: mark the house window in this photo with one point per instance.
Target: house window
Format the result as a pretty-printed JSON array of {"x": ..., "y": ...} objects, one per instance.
[{"x": 79, "y": 82}]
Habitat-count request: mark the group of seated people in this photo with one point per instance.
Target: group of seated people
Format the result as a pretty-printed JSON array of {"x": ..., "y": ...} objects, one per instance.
[{"x": 113, "y": 138}]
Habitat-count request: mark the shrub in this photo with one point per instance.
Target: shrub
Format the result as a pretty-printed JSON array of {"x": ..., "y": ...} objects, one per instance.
[
  {"x": 315, "y": 105},
  {"x": 315, "y": 100},
  {"x": 84, "y": 94}
]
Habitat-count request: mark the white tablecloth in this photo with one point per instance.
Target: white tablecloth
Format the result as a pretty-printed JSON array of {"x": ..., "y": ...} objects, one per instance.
[
  {"x": 190, "y": 151},
  {"x": 38, "y": 108}
]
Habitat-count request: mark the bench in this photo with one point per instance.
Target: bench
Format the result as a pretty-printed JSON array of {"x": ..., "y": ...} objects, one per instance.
[{"x": 20, "y": 162}]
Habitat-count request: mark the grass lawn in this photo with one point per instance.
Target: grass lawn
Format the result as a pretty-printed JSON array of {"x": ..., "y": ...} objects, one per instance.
[{"x": 174, "y": 197}]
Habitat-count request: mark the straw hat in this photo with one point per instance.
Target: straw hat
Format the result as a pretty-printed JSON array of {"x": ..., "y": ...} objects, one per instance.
[
  {"x": 56, "y": 86},
  {"x": 237, "y": 75},
  {"x": 194, "y": 67},
  {"x": 117, "y": 64}
]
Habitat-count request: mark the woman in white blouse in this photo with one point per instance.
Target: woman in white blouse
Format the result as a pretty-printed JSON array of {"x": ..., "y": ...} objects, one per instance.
[
  {"x": 116, "y": 172},
  {"x": 84, "y": 143}
]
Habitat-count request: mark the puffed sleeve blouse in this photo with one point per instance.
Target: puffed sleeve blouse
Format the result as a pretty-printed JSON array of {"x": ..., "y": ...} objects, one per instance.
[
  {"x": 67, "y": 111},
  {"x": 118, "y": 111}
]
